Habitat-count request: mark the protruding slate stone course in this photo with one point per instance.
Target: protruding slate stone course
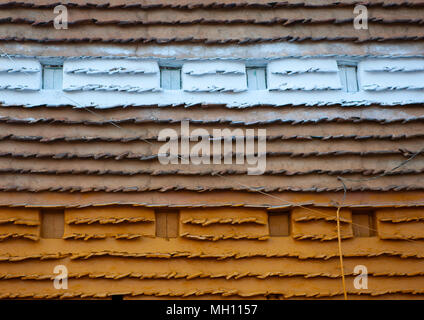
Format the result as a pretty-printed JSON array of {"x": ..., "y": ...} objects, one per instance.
[
  {"x": 81, "y": 184},
  {"x": 20, "y": 74},
  {"x": 211, "y": 22}
]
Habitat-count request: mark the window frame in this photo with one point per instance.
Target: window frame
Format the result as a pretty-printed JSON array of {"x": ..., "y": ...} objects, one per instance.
[
  {"x": 371, "y": 225},
  {"x": 348, "y": 82},
  {"x": 271, "y": 230},
  {"x": 253, "y": 68},
  {"x": 54, "y": 67},
  {"x": 158, "y": 224},
  {"x": 47, "y": 228},
  {"x": 168, "y": 68}
]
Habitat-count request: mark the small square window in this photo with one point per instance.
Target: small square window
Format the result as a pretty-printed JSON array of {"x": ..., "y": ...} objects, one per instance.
[
  {"x": 256, "y": 78},
  {"x": 363, "y": 223},
  {"x": 348, "y": 77},
  {"x": 279, "y": 224},
  {"x": 52, "y": 224},
  {"x": 167, "y": 224},
  {"x": 170, "y": 78},
  {"x": 52, "y": 77}
]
